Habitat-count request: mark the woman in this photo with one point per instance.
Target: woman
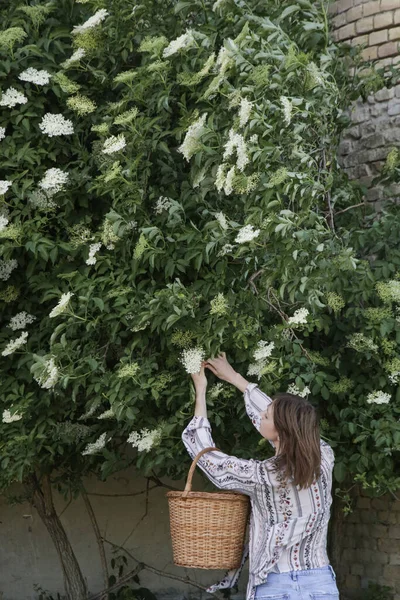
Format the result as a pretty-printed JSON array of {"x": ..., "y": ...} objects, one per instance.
[{"x": 290, "y": 493}]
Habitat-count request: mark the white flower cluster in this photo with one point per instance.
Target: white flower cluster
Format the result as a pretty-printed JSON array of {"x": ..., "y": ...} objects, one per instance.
[
  {"x": 4, "y": 185},
  {"x": 224, "y": 60},
  {"x": 216, "y": 390},
  {"x": 114, "y": 144},
  {"x": 299, "y": 317},
  {"x": 145, "y": 439},
  {"x": 93, "y": 21},
  {"x": 74, "y": 58},
  {"x": 12, "y": 97},
  {"x": 15, "y": 344},
  {"x": 49, "y": 376},
  {"x": 244, "y": 111},
  {"x": 394, "y": 377},
  {"x": 34, "y": 76},
  {"x": 192, "y": 359},
  {"x": 93, "y": 249},
  {"x": 226, "y": 249},
  {"x": 53, "y": 181},
  {"x": 2, "y": 133},
  {"x": 246, "y": 234},
  {"x": 287, "y": 109},
  {"x": 62, "y": 305},
  {"x": 3, "y": 222},
  {"x": 293, "y": 389},
  {"x": 9, "y": 418},
  {"x": 95, "y": 446},
  {"x": 218, "y": 4},
  {"x": 221, "y": 218},
  {"x": 55, "y": 124},
  {"x": 224, "y": 180},
  {"x": 20, "y": 320},
  {"x": 236, "y": 142},
  {"x": 6, "y": 268},
  {"x": 163, "y": 203},
  {"x": 107, "y": 414},
  {"x": 261, "y": 354},
  {"x": 190, "y": 144},
  {"x": 183, "y": 41},
  {"x": 378, "y": 397}
]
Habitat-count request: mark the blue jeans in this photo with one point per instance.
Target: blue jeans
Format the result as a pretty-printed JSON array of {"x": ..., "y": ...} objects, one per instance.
[{"x": 311, "y": 584}]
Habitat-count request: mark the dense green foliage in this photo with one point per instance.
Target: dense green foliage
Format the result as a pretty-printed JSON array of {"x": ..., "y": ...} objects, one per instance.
[{"x": 236, "y": 124}]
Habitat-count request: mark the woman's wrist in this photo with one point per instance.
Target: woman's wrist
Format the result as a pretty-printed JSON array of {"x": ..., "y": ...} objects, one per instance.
[{"x": 239, "y": 382}]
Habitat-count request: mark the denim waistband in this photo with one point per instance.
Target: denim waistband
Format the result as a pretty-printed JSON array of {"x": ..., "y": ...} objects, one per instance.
[{"x": 306, "y": 572}]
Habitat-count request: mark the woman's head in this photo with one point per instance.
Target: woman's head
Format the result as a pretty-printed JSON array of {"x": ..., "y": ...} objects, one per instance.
[{"x": 292, "y": 422}]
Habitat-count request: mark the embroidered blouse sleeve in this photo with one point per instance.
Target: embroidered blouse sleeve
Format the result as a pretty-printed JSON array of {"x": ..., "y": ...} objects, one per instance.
[
  {"x": 256, "y": 402},
  {"x": 224, "y": 471},
  {"x": 327, "y": 452}
]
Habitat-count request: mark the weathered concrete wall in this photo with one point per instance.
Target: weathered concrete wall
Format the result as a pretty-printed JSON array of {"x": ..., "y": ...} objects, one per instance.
[{"x": 27, "y": 555}]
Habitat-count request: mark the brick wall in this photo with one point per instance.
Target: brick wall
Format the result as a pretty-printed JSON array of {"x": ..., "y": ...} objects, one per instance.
[{"x": 366, "y": 543}]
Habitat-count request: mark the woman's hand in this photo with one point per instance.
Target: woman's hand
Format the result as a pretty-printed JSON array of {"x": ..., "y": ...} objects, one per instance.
[
  {"x": 200, "y": 379},
  {"x": 221, "y": 368}
]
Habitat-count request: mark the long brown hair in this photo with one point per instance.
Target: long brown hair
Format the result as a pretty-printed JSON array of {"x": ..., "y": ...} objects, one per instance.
[{"x": 297, "y": 424}]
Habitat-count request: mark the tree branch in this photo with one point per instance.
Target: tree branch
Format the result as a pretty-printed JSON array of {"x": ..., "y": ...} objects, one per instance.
[{"x": 99, "y": 539}]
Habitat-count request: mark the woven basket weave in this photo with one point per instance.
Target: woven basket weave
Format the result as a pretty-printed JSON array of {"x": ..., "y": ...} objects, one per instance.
[{"x": 207, "y": 528}]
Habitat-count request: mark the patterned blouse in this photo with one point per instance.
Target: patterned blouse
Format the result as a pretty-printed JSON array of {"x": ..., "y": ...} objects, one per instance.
[{"x": 288, "y": 527}]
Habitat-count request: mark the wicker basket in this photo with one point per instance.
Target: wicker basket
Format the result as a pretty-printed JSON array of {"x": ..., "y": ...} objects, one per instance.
[{"x": 207, "y": 529}]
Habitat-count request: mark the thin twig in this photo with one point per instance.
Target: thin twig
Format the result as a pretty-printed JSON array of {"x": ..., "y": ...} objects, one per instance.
[
  {"x": 349, "y": 208},
  {"x": 143, "y": 516},
  {"x": 99, "y": 539},
  {"x": 121, "y": 495}
]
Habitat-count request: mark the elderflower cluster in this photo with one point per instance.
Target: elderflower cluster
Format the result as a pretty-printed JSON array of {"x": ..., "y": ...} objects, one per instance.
[
  {"x": 145, "y": 439},
  {"x": 15, "y": 344},
  {"x": 49, "y": 375},
  {"x": 11, "y": 36},
  {"x": 361, "y": 343},
  {"x": 378, "y": 397},
  {"x": 216, "y": 390},
  {"x": 2, "y": 133},
  {"x": 6, "y": 268},
  {"x": 244, "y": 111},
  {"x": 394, "y": 377},
  {"x": 127, "y": 116},
  {"x": 335, "y": 301},
  {"x": 299, "y": 317},
  {"x": 183, "y": 41},
  {"x": 287, "y": 109},
  {"x": 389, "y": 291},
  {"x": 107, "y": 414},
  {"x": 7, "y": 417},
  {"x": 129, "y": 370},
  {"x": 96, "y": 446},
  {"x": 342, "y": 386},
  {"x": 93, "y": 21},
  {"x": 293, "y": 389},
  {"x": 140, "y": 247},
  {"x": 261, "y": 354},
  {"x": 4, "y": 185},
  {"x": 114, "y": 144},
  {"x": 221, "y": 218},
  {"x": 192, "y": 359},
  {"x": 93, "y": 249},
  {"x": 224, "y": 180},
  {"x": 246, "y": 234},
  {"x": 82, "y": 105},
  {"x": 20, "y": 320},
  {"x": 108, "y": 236},
  {"x": 53, "y": 181},
  {"x": 55, "y": 124},
  {"x": 74, "y": 58},
  {"x": 62, "y": 305},
  {"x": 34, "y": 76},
  {"x": 163, "y": 203},
  {"x": 191, "y": 142},
  {"x": 226, "y": 249},
  {"x": 11, "y": 97},
  {"x": 3, "y": 222},
  {"x": 219, "y": 305},
  {"x": 236, "y": 142}
]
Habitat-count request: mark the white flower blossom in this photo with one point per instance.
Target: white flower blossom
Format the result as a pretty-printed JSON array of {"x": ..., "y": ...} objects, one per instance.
[
  {"x": 93, "y": 249},
  {"x": 93, "y": 21},
  {"x": 299, "y": 317},
  {"x": 6, "y": 268},
  {"x": 74, "y": 58},
  {"x": 226, "y": 249},
  {"x": 228, "y": 185},
  {"x": 394, "y": 377},
  {"x": 2, "y": 133},
  {"x": 218, "y": 4},
  {"x": 9, "y": 418},
  {"x": 12, "y": 97},
  {"x": 49, "y": 376},
  {"x": 4, "y": 185},
  {"x": 20, "y": 320},
  {"x": 190, "y": 144},
  {"x": 378, "y": 397},
  {"x": 221, "y": 218},
  {"x": 223, "y": 60},
  {"x": 62, "y": 305},
  {"x": 264, "y": 350},
  {"x": 220, "y": 178},
  {"x": 15, "y": 344},
  {"x": 255, "y": 369},
  {"x": 192, "y": 359},
  {"x": 246, "y": 234},
  {"x": 53, "y": 181},
  {"x": 107, "y": 414},
  {"x": 183, "y": 41},
  {"x": 114, "y": 144},
  {"x": 293, "y": 389},
  {"x": 3, "y": 222},
  {"x": 95, "y": 446},
  {"x": 145, "y": 439},
  {"x": 237, "y": 142},
  {"x": 287, "y": 109},
  {"x": 34, "y": 76},
  {"x": 163, "y": 203},
  {"x": 244, "y": 111},
  {"x": 56, "y": 124}
]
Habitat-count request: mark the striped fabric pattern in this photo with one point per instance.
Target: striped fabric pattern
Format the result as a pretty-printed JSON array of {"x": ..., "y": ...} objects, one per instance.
[{"x": 288, "y": 527}]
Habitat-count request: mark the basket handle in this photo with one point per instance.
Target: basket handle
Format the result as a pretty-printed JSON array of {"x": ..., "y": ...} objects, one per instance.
[{"x": 188, "y": 486}]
